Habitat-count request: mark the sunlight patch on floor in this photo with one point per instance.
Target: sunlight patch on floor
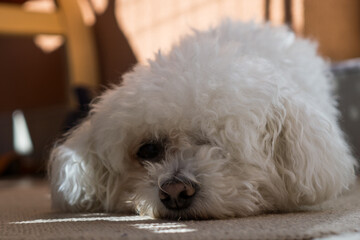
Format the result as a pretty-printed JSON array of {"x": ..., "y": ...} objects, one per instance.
[
  {"x": 165, "y": 227},
  {"x": 87, "y": 219}
]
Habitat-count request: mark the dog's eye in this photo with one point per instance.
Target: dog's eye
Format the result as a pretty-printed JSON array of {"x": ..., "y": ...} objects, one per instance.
[{"x": 149, "y": 151}]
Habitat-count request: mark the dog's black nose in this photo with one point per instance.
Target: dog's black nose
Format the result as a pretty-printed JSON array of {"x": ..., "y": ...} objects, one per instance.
[{"x": 177, "y": 195}]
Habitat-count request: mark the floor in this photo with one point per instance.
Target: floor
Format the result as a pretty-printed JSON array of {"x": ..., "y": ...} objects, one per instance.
[{"x": 25, "y": 213}]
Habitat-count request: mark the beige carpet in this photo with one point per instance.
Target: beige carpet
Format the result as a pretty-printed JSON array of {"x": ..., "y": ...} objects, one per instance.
[{"x": 25, "y": 214}]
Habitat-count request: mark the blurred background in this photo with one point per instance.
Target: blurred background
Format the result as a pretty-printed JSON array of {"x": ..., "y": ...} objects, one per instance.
[{"x": 55, "y": 56}]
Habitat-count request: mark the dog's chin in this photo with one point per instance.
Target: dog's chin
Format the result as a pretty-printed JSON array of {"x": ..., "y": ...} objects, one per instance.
[
  {"x": 182, "y": 214},
  {"x": 158, "y": 210},
  {"x": 196, "y": 211}
]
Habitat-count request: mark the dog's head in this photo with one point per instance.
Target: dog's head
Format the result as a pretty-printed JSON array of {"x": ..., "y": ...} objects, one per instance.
[
  {"x": 184, "y": 137},
  {"x": 198, "y": 133}
]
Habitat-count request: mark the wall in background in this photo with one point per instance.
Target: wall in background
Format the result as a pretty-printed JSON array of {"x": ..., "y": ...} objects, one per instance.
[
  {"x": 158, "y": 24},
  {"x": 335, "y": 25}
]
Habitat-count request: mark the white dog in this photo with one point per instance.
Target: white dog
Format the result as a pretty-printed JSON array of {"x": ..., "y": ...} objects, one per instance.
[{"x": 234, "y": 121}]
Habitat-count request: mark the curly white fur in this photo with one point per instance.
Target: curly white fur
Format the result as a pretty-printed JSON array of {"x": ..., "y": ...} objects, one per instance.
[{"x": 247, "y": 113}]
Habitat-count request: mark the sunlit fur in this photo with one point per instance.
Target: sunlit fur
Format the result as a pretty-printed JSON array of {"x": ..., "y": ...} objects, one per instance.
[{"x": 245, "y": 111}]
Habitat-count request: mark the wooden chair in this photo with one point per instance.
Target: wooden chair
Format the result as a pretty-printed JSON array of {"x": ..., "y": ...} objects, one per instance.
[
  {"x": 67, "y": 21},
  {"x": 81, "y": 60}
]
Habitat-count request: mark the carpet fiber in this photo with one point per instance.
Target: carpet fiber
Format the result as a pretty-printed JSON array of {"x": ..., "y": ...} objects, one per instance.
[{"x": 25, "y": 214}]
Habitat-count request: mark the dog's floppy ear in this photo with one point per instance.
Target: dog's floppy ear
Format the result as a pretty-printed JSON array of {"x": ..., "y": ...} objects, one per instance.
[
  {"x": 75, "y": 171},
  {"x": 308, "y": 151}
]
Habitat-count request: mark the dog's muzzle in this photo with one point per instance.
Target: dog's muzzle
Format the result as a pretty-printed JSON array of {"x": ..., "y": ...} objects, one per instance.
[{"x": 177, "y": 195}]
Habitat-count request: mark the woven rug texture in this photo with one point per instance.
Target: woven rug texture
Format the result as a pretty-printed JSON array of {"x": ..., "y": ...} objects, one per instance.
[{"x": 25, "y": 213}]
